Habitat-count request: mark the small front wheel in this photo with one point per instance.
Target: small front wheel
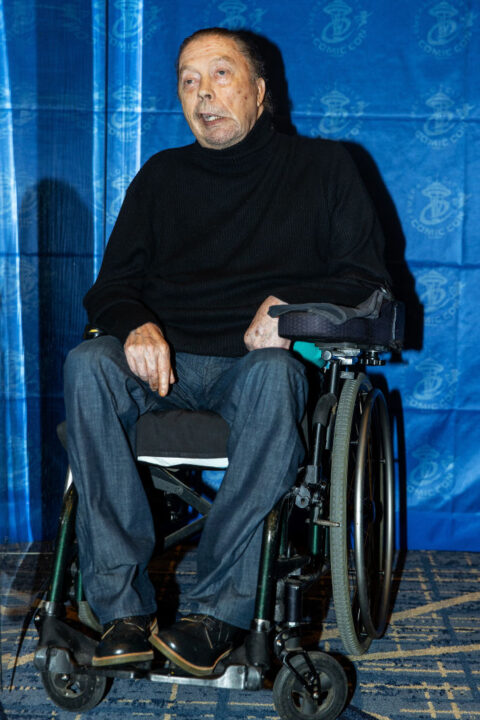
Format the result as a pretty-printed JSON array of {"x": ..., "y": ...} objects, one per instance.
[
  {"x": 314, "y": 671},
  {"x": 76, "y": 692}
]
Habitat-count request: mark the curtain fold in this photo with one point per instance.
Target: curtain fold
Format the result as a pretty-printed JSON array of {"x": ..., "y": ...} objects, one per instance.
[{"x": 15, "y": 520}]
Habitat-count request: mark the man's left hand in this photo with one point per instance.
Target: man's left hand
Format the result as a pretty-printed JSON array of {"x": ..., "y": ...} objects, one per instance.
[{"x": 263, "y": 330}]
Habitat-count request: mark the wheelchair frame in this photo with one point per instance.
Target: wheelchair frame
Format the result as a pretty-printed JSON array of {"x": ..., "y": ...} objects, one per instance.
[{"x": 347, "y": 491}]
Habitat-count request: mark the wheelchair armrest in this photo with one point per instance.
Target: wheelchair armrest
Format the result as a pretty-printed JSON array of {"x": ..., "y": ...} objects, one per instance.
[{"x": 383, "y": 331}]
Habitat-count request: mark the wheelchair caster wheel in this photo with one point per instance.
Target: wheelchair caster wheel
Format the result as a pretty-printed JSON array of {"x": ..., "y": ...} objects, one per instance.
[
  {"x": 298, "y": 695},
  {"x": 75, "y": 691}
]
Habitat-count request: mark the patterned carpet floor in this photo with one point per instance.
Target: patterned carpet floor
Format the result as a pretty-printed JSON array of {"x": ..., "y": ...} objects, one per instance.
[{"x": 426, "y": 666}]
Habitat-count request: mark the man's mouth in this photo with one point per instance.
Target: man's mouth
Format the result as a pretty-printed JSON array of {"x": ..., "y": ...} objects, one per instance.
[{"x": 210, "y": 117}]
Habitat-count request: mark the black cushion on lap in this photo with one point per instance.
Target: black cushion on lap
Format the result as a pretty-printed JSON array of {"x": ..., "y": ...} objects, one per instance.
[{"x": 183, "y": 434}]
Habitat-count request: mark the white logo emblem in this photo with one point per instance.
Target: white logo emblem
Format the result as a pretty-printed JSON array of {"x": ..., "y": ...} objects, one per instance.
[
  {"x": 7, "y": 194},
  {"x": 440, "y": 297},
  {"x": 22, "y": 116},
  {"x": 435, "y": 209},
  {"x": 437, "y": 386},
  {"x": 21, "y": 19},
  {"x": 342, "y": 116},
  {"x": 5, "y": 115},
  {"x": 27, "y": 213},
  {"x": 234, "y": 15},
  {"x": 338, "y": 27},
  {"x": 119, "y": 183},
  {"x": 445, "y": 124},
  {"x": 126, "y": 122},
  {"x": 433, "y": 475},
  {"x": 130, "y": 28},
  {"x": 443, "y": 28},
  {"x": 18, "y": 470}
]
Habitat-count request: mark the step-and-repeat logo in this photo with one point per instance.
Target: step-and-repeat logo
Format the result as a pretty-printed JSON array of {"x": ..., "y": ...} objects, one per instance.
[
  {"x": 445, "y": 122},
  {"x": 436, "y": 386},
  {"x": 8, "y": 195},
  {"x": 24, "y": 113},
  {"x": 341, "y": 115},
  {"x": 338, "y": 27},
  {"x": 28, "y": 210},
  {"x": 118, "y": 183},
  {"x": 436, "y": 208},
  {"x": 234, "y": 15},
  {"x": 432, "y": 475},
  {"x": 131, "y": 23},
  {"x": 443, "y": 28},
  {"x": 5, "y": 112},
  {"x": 22, "y": 19},
  {"x": 440, "y": 297},
  {"x": 126, "y": 122}
]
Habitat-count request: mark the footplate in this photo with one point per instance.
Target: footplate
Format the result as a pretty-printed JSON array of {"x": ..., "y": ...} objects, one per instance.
[{"x": 235, "y": 677}]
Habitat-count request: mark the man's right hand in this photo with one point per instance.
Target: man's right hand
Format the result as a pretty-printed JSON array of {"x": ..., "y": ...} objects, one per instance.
[{"x": 148, "y": 356}]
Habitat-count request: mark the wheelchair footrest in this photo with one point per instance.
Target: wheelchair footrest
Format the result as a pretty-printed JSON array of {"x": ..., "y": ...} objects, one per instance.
[
  {"x": 61, "y": 644},
  {"x": 235, "y": 677}
]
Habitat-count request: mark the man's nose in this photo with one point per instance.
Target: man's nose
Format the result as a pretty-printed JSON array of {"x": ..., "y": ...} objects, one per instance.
[{"x": 205, "y": 89}]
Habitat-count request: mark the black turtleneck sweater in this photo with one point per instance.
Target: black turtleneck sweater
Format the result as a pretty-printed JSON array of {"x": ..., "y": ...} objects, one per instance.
[{"x": 204, "y": 236}]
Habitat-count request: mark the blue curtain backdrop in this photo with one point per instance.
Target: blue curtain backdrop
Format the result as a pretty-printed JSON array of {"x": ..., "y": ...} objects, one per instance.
[{"x": 87, "y": 94}]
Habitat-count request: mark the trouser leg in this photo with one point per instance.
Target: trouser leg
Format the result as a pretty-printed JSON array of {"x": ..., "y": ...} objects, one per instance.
[
  {"x": 262, "y": 396},
  {"x": 103, "y": 401}
]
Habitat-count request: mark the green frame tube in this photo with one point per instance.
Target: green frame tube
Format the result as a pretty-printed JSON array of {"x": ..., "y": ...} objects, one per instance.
[
  {"x": 63, "y": 544},
  {"x": 272, "y": 528}
]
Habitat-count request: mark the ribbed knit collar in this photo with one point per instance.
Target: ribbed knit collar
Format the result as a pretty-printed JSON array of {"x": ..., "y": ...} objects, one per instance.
[{"x": 248, "y": 151}]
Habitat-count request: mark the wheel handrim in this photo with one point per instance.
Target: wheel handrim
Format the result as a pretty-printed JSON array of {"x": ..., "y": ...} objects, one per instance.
[{"x": 374, "y": 531}]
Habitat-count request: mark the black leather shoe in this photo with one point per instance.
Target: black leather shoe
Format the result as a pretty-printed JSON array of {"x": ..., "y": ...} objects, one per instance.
[
  {"x": 197, "y": 643},
  {"x": 125, "y": 640}
]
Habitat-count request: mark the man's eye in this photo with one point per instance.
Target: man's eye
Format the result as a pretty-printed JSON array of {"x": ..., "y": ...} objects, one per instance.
[{"x": 222, "y": 72}]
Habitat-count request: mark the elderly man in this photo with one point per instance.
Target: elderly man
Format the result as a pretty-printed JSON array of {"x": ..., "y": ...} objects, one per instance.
[{"x": 208, "y": 238}]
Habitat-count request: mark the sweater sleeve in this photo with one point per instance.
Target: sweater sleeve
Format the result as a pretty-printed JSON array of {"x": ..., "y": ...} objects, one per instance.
[
  {"x": 115, "y": 302},
  {"x": 355, "y": 255}
]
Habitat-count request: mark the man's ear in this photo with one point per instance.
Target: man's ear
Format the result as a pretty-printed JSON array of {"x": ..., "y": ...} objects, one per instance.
[{"x": 260, "y": 91}]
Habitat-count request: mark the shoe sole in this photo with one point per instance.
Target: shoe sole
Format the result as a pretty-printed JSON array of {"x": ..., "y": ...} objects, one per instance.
[
  {"x": 122, "y": 659},
  {"x": 199, "y": 670}
]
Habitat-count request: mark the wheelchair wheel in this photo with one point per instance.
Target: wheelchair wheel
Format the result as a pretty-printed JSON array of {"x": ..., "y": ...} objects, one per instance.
[
  {"x": 76, "y": 692},
  {"x": 362, "y": 502},
  {"x": 293, "y": 701}
]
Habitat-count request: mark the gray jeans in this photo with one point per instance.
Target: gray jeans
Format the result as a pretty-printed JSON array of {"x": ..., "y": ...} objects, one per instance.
[{"x": 261, "y": 395}]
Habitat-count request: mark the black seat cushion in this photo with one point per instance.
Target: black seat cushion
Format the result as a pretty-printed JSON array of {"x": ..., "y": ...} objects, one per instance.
[{"x": 175, "y": 437}]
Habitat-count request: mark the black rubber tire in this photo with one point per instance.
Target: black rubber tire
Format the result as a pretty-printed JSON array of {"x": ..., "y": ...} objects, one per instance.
[
  {"x": 361, "y": 581},
  {"x": 76, "y": 692},
  {"x": 292, "y": 700}
]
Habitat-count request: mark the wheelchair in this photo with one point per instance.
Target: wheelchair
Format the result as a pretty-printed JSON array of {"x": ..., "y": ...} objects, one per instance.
[{"x": 343, "y": 500}]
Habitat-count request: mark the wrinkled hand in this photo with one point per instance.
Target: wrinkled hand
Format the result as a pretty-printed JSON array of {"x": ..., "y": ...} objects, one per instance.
[
  {"x": 263, "y": 330},
  {"x": 148, "y": 356}
]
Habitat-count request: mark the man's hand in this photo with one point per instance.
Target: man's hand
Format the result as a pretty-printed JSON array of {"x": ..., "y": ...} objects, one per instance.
[
  {"x": 148, "y": 356},
  {"x": 263, "y": 330}
]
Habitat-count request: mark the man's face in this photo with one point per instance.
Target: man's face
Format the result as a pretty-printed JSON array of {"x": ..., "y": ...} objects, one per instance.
[{"x": 220, "y": 99}]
